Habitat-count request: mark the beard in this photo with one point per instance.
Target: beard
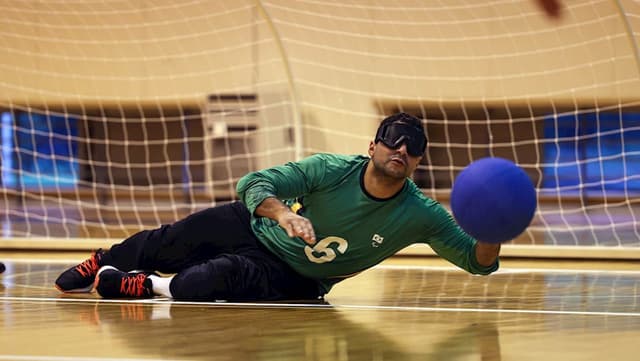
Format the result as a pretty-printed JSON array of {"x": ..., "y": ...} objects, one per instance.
[{"x": 388, "y": 168}]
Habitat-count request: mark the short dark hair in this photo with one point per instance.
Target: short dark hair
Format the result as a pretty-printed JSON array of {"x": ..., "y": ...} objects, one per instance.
[{"x": 402, "y": 118}]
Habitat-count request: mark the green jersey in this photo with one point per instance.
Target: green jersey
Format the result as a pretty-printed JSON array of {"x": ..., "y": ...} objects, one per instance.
[{"x": 354, "y": 230}]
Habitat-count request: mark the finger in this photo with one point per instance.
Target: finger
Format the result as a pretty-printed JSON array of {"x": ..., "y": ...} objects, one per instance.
[
  {"x": 311, "y": 240},
  {"x": 297, "y": 230},
  {"x": 312, "y": 236},
  {"x": 304, "y": 231},
  {"x": 290, "y": 230},
  {"x": 308, "y": 239},
  {"x": 308, "y": 235}
]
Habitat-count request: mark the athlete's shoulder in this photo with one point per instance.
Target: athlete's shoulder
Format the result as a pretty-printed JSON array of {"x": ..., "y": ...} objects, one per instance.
[
  {"x": 329, "y": 169},
  {"x": 336, "y": 162},
  {"x": 339, "y": 158},
  {"x": 418, "y": 200}
]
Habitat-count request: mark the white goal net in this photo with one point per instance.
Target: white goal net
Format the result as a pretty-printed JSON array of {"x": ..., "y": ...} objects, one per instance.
[{"x": 118, "y": 115}]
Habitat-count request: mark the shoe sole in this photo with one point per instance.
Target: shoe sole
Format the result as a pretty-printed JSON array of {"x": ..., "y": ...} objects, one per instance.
[{"x": 87, "y": 289}]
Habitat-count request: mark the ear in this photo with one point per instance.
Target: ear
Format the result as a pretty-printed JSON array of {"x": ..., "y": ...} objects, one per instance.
[{"x": 372, "y": 147}]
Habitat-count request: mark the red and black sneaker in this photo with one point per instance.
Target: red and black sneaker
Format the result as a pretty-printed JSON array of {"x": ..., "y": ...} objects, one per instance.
[
  {"x": 113, "y": 283},
  {"x": 80, "y": 278}
]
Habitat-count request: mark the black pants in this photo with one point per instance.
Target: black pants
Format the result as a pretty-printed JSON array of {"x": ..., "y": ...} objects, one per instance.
[{"x": 215, "y": 256}]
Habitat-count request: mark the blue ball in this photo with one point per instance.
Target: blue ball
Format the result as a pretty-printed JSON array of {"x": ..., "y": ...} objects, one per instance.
[{"x": 493, "y": 200}]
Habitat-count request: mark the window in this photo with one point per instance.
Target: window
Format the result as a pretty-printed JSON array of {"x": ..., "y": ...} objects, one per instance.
[
  {"x": 38, "y": 150},
  {"x": 599, "y": 150}
]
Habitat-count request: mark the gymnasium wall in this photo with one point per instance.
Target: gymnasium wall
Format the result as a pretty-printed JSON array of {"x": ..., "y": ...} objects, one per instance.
[{"x": 338, "y": 62}]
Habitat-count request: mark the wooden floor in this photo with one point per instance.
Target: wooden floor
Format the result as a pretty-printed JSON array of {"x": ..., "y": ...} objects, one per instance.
[{"x": 405, "y": 309}]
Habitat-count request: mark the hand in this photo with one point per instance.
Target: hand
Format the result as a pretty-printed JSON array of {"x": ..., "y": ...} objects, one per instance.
[
  {"x": 487, "y": 253},
  {"x": 294, "y": 224},
  {"x": 297, "y": 226}
]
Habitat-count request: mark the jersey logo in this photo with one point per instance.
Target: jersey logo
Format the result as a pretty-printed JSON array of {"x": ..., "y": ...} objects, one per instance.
[
  {"x": 322, "y": 252},
  {"x": 376, "y": 240}
]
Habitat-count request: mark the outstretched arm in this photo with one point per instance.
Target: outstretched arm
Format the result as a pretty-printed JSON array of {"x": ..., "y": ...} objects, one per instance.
[
  {"x": 487, "y": 253},
  {"x": 449, "y": 241}
]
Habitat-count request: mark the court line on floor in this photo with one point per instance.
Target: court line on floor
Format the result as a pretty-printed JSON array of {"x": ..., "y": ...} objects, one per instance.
[{"x": 322, "y": 306}]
